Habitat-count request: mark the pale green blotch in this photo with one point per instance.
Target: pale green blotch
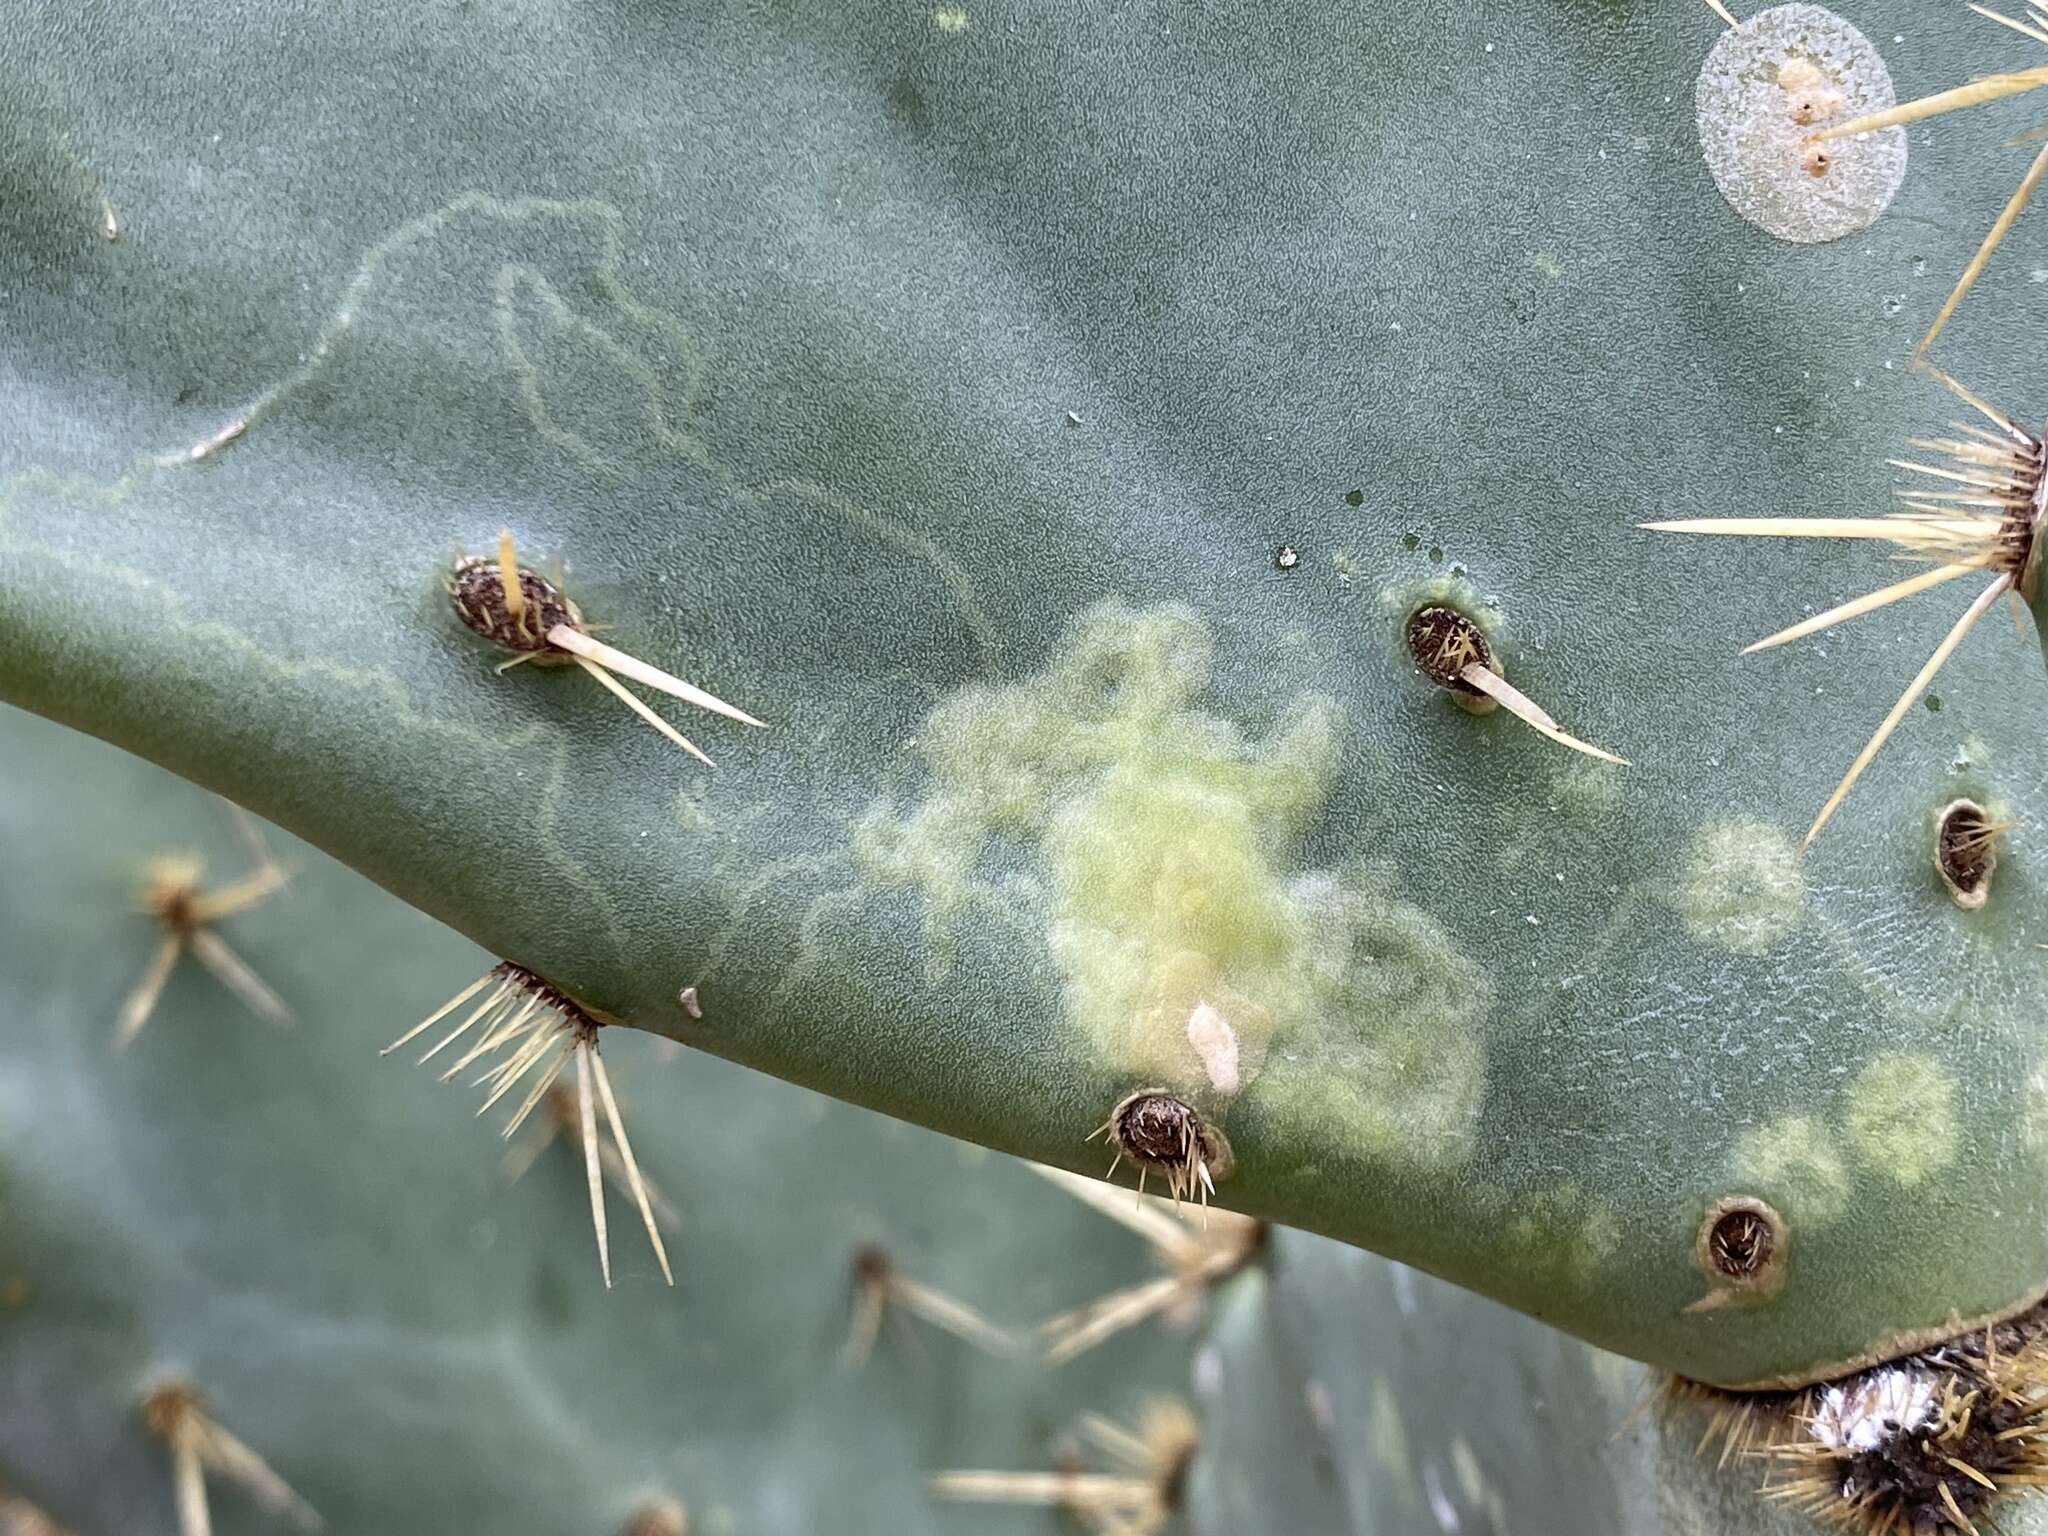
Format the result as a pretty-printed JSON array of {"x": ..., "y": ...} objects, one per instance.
[
  {"x": 1585, "y": 790},
  {"x": 1558, "y": 1235},
  {"x": 1900, "y": 1116},
  {"x": 1396, "y": 1067},
  {"x": 687, "y": 809},
  {"x": 1161, "y": 847},
  {"x": 1581, "y": 794},
  {"x": 1568, "y": 1232},
  {"x": 1794, "y": 1163},
  {"x": 1741, "y": 888}
]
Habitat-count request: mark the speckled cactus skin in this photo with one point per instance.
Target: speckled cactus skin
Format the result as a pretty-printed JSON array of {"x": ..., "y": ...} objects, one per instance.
[{"x": 939, "y": 384}]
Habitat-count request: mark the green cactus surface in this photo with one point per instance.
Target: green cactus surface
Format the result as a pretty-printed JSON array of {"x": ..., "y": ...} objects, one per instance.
[{"x": 1046, "y": 418}]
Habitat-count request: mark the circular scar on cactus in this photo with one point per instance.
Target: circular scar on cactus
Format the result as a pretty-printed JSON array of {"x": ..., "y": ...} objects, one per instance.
[
  {"x": 1164, "y": 1135},
  {"x": 1966, "y": 851},
  {"x": 1452, "y": 651},
  {"x": 1935, "y": 1444},
  {"x": 1742, "y": 1248},
  {"x": 1769, "y": 84}
]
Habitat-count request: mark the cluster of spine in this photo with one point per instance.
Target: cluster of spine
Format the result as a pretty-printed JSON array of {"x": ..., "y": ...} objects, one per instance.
[{"x": 1928, "y": 1445}]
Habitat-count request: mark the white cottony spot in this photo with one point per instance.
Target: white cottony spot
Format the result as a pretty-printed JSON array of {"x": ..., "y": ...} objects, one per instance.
[{"x": 1215, "y": 1042}]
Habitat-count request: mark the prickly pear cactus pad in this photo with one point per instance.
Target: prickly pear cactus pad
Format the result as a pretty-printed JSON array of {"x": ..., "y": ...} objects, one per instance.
[{"x": 1048, "y": 419}]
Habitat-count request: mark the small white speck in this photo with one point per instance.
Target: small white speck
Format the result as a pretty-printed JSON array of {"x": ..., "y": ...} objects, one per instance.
[{"x": 1489, "y": 47}]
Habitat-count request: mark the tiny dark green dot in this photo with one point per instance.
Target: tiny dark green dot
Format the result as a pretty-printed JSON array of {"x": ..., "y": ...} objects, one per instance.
[
  {"x": 1409, "y": 540},
  {"x": 1934, "y": 702},
  {"x": 1356, "y": 498}
]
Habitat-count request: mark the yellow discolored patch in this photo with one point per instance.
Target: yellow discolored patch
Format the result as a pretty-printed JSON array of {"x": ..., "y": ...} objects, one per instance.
[
  {"x": 1795, "y": 1162},
  {"x": 1741, "y": 887},
  {"x": 1404, "y": 1080},
  {"x": 1565, "y": 1232},
  {"x": 1158, "y": 846},
  {"x": 1553, "y": 1236},
  {"x": 1900, "y": 1115},
  {"x": 951, "y": 18}
]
